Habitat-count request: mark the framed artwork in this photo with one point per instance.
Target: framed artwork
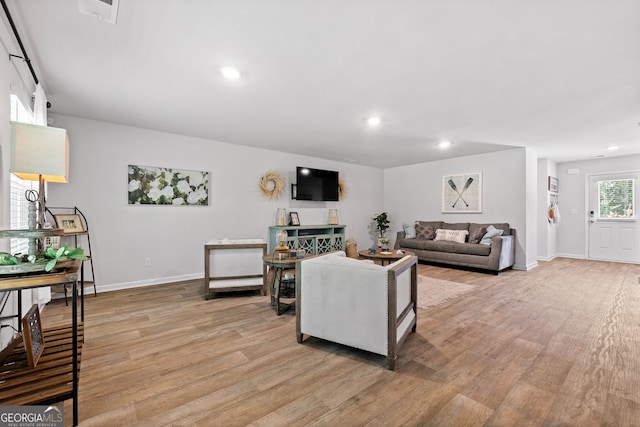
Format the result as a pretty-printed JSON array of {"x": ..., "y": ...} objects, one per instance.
[
  {"x": 32, "y": 336},
  {"x": 71, "y": 223},
  {"x": 462, "y": 193},
  {"x": 293, "y": 218},
  {"x": 553, "y": 184},
  {"x": 52, "y": 242},
  {"x": 151, "y": 185}
]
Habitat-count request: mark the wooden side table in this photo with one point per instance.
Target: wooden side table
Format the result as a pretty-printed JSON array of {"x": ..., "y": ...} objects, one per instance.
[
  {"x": 278, "y": 264},
  {"x": 234, "y": 265},
  {"x": 384, "y": 256}
]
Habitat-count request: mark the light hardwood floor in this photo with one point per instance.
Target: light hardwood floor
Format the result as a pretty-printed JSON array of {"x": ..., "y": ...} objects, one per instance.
[{"x": 556, "y": 346}]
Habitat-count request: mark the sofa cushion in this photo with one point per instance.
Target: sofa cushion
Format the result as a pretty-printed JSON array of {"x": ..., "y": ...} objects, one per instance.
[
  {"x": 409, "y": 231},
  {"x": 427, "y": 245},
  {"x": 439, "y": 245},
  {"x": 426, "y": 229},
  {"x": 504, "y": 226},
  {"x": 472, "y": 249},
  {"x": 455, "y": 225},
  {"x": 476, "y": 232},
  {"x": 458, "y": 236},
  {"x": 412, "y": 243},
  {"x": 491, "y": 233}
]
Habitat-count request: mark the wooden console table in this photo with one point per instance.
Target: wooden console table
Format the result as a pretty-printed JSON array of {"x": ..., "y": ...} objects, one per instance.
[
  {"x": 55, "y": 378},
  {"x": 314, "y": 239}
]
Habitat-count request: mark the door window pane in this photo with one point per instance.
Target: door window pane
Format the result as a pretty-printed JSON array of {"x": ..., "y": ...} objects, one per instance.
[{"x": 616, "y": 198}]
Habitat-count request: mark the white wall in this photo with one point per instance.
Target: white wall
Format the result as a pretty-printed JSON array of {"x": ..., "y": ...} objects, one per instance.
[
  {"x": 414, "y": 193},
  {"x": 547, "y": 232},
  {"x": 572, "y": 238},
  {"x": 122, "y": 236}
]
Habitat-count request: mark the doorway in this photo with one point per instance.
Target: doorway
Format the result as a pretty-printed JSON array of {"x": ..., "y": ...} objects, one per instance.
[{"x": 613, "y": 230}]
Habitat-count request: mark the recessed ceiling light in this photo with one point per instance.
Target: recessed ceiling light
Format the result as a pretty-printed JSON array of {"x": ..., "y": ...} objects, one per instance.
[
  {"x": 374, "y": 120},
  {"x": 444, "y": 144},
  {"x": 612, "y": 147},
  {"x": 230, "y": 73}
]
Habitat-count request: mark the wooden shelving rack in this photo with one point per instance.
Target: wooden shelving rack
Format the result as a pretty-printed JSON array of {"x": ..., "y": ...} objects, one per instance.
[{"x": 55, "y": 377}]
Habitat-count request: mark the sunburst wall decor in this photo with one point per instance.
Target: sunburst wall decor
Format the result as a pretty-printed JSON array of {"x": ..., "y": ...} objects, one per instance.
[{"x": 271, "y": 185}]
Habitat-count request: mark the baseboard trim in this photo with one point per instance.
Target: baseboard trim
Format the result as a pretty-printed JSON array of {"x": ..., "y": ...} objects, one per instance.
[
  {"x": 528, "y": 267},
  {"x": 574, "y": 256},
  {"x": 548, "y": 258},
  {"x": 149, "y": 282}
]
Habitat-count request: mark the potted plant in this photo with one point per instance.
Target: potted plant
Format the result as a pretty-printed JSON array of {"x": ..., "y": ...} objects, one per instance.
[{"x": 382, "y": 225}]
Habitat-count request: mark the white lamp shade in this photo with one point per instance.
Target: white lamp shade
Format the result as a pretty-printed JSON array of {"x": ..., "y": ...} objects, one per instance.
[{"x": 39, "y": 151}]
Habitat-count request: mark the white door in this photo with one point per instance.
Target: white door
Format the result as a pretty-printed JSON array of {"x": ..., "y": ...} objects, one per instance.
[{"x": 614, "y": 233}]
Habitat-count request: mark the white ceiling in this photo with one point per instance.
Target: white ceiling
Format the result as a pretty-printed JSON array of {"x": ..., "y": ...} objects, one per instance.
[{"x": 560, "y": 77}]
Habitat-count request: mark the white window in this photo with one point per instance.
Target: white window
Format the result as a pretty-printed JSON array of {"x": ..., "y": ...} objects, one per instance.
[{"x": 18, "y": 204}]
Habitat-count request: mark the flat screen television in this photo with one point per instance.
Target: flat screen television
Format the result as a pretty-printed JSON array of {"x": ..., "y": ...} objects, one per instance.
[{"x": 316, "y": 184}]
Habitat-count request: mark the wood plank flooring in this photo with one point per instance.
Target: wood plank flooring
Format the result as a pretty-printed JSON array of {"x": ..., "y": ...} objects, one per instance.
[{"x": 556, "y": 346}]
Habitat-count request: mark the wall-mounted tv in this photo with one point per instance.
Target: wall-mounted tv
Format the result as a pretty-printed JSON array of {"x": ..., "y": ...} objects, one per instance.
[{"x": 316, "y": 184}]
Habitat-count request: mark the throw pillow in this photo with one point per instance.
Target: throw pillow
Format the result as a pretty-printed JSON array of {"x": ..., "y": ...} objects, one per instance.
[
  {"x": 425, "y": 232},
  {"x": 491, "y": 233},
  {"x": 409, "y": 231},
  {"x": 477, "y": 235},
  {"x": 458, "y": 236}
]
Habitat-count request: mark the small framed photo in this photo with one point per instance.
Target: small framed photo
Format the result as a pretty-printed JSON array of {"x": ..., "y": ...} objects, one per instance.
[
  {"x": 52, "y": 242},
  {"x": 33, "y": 338},
  {"x": 71, "y": 223},
  {"x": 553, "y": 184},
  {"x": 293, "y": 218}
]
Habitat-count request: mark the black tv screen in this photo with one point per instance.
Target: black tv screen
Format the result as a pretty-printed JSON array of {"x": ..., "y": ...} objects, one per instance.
[{"x": 316, "y": 184}]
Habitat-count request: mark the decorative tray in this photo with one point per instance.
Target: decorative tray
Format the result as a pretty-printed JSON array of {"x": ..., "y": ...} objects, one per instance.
[
  {"x": 37, "y": 267},
  {"x": 25, "y": 234}
]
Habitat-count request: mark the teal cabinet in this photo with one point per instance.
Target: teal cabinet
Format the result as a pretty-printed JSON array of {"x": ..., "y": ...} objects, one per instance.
[{"x": 314, "y": 239}]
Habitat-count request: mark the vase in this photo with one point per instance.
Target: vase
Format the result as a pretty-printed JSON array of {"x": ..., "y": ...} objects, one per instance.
[{"x": 333, "y": 216}]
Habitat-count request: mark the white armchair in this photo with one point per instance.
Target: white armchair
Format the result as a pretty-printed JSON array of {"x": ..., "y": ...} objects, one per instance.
[{"x": 357, "y": 303}]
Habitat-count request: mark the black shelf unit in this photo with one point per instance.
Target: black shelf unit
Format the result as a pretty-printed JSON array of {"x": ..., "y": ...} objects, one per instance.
[{"x": 52, "y": 211}]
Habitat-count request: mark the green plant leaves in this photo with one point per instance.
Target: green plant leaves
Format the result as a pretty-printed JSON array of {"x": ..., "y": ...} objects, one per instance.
[
  {"x": 50, "y": 265},
  {"x": 7, "y": 259},
  {"x": 63, "y": 253}
]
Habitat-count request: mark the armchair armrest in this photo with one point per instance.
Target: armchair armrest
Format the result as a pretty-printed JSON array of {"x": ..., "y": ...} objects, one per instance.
[
  {"x": 507, "y": 252},
  {"x": 401, "y": 235}
]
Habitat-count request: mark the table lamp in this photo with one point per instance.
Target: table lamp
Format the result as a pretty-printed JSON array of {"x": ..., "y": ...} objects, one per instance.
[
  {"x": 281, "y": 238},
  {"x": 39, "y": 153}
]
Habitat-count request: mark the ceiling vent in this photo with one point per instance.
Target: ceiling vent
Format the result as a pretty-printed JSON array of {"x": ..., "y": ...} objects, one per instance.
[{"x": 104, "y": 10}]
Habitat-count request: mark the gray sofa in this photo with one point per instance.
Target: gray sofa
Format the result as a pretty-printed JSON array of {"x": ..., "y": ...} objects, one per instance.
[{"x": 495, "y": 257}]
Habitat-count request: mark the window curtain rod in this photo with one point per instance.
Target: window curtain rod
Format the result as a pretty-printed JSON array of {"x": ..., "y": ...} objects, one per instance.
[{"x": 25, "y": 57}]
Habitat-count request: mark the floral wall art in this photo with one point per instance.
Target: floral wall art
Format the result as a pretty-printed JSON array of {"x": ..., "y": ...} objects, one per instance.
[{"x": 150, "y": 185}]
